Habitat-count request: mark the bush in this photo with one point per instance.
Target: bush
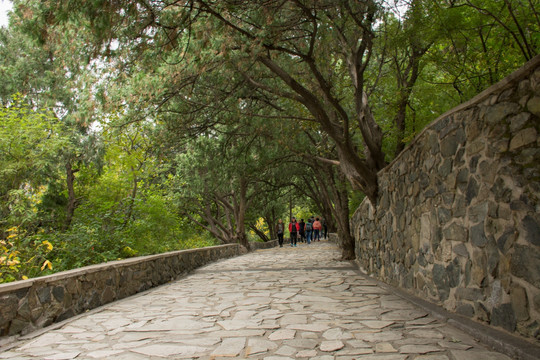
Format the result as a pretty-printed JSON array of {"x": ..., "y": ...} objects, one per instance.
[{"x": 23, "y": 257}]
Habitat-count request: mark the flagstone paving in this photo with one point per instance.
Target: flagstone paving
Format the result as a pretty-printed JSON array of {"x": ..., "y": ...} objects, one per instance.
[{"x": 281, "y": 303}]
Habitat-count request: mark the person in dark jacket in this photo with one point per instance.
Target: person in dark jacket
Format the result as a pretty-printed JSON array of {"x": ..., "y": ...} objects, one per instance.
[
  {"x": 280, "y": 230},
  {"x": 302, "y": 231}
]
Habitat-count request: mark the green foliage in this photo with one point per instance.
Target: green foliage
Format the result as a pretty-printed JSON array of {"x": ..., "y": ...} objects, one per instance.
[
  {"x": 156, "y": 229},
  {"x": 138, "y": 136},
  {"x": 29, "y": 145},
  {"x": 23, "y": 256}
]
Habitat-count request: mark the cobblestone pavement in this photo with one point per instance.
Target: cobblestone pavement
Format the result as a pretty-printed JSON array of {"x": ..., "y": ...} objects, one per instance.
[{"x": 281, "y": 303}]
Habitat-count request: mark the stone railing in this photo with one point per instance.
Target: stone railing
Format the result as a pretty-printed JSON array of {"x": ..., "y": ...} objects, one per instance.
[
  {"x": 457, "y": 220},
  {"x": 31, "y": 304}
]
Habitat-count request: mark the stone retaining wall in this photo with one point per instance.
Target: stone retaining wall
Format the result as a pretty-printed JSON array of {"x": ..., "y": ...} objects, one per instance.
[
  {"x": 333, "y": 237},
  {"x": 31, "y": 304},
  {"x": 256, "y": 245},
  {"x": 458, "y": 215}
]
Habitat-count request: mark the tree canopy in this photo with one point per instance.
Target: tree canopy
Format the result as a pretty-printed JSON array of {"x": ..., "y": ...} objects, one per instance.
[{"x": 145, "y": 124}]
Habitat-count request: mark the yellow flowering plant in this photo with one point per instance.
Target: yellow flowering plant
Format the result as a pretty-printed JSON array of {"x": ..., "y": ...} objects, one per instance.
[{"x": 23, "y": 256}]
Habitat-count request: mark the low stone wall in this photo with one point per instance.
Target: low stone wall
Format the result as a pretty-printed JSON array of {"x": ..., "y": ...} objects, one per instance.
[
  {"x": 31, "y": 304},
  {"x": 256, "y": 245},
  {"x": 458, "y": 215}
]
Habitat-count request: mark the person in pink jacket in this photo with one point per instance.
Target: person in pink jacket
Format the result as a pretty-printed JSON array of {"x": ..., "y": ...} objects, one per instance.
[
  {"x": 317, "y": 226},
  {"x": 293, "y": 230}
]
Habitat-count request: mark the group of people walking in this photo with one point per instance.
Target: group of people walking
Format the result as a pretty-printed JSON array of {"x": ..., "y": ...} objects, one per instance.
[{"x": 309, "y": 231}]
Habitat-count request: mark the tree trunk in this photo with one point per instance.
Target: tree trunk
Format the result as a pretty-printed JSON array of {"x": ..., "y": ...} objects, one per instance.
[
  {"x": 271, "y": 221},
  {"x": 400, "y": 126},
  {"x": 259, "y": 233},
  {"x": 72, "y": 200},
  {"x": 133, "y": 195},
  {"x": 240, "y": 215},
  {"x": 406, "y": 80},
  {"x": 334, "y": 189},
  {"x": 348, "y": 251},
  {"x": 361, "y": 177},
  {"x": 341, "y": 202}
]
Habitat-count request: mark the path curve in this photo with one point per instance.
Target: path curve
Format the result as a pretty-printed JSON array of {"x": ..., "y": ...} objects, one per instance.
[{"x": 281, "y": 303}]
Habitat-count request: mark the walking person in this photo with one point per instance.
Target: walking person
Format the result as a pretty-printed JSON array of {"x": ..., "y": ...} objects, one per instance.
[
  {"x": 317, "y": 226},
  {"x": 302, "y": 231},
  {"x": 293, "y": 230},
  {"x": 280, "y": 230},
  {"x": 309, "y": 231},
  {"x": 325, "y": 229}
]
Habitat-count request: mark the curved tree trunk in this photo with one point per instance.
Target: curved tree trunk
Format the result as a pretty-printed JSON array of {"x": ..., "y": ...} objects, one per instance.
[
  {"x": 333, "y": 187},
  {"x": 342, "y": 218},
  {"x": 259, "y": 233}
]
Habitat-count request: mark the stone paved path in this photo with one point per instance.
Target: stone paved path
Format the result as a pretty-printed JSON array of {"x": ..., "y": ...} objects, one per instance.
[{"x": 282, "y": 303}]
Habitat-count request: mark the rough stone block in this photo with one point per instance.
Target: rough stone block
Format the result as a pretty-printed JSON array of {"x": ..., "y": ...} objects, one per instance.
[
  {"x": 477, "y": 236},
  {"x": 533, "y": 105},
  {"x": 23, "y": 311},
  {"x": 507, "y": 95},
  {"x": 452, "y": 124},
  {"x": 465, "y": 310},
  {"x": 450, "y": 144},
  {"x": 455, "y": 232},
  {"x": 493, "y": 257},
  {"x": 448, "y": 198},
  {"x": 479, "y": 212},
  {"x": 523, "y": 138},
  {"x": 462, "y": 176},
  {"x": 525, "y": 264},
  {"x": 440, "y": 279},
  {"x": 528, "y": 157},
  {"x": 532, "y": 230},
  {"x": 108, "y": 295},
  {"x": 501, "y": 191},
  {"x": 506, "y": 240},
  {"x": 518, "y": 122},
  {"x": 468, "y": 268},
  {"x": 459, "y": 208},
  {"x": 472, "y": 190},
  {"x": 17, "y": 326},
  {"x": 481, "y": 312},
  {"x": 518, "y": 299},
  {"x": 504, "y": 317},
  {"x": 470, "y": 294},
  {"x": 58, "y": 293},
  {"x": 473, "y": 130},
  {"x": 441, "y": 124},
  {"x": 494, "y": 114},
  {"x": 478, "y": 269},
  {"x": 475, "y": 147},
  {"x": 44, "y": 295},
  {"x": 461, "y": 250},
  {"x": 444, "y": 216},
  {"x": 454, "y": 273}
]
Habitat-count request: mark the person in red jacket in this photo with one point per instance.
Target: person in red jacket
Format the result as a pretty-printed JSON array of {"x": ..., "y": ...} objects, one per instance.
[
  {"x": 317, "y": 226},
  {"x": 293, "y": 230}
]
